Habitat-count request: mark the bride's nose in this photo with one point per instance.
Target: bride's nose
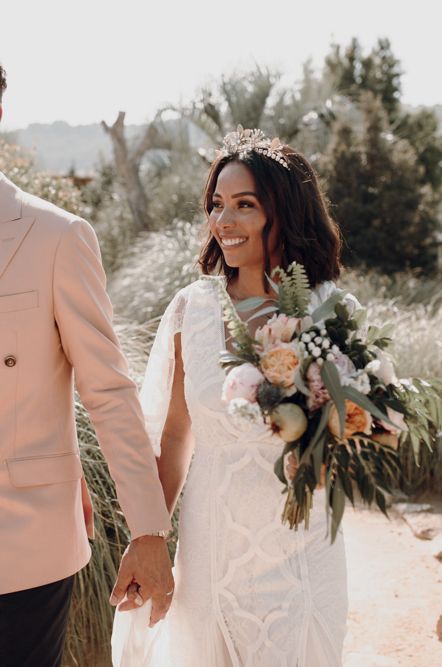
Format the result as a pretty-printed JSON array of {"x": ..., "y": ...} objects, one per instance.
[{"x": 226, "y": 218}]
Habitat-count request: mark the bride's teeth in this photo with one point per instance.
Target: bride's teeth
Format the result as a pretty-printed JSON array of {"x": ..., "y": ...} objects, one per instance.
[{"x": 231, "y": 242}]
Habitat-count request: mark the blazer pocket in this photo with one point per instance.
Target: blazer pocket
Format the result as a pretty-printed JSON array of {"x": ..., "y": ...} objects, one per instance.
[
  {"x": 19, "y": 301},
  {"x": 42, "y": 470}
]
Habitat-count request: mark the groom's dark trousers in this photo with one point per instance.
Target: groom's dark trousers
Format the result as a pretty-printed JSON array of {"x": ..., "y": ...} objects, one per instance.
[{"x": 33, "y": 625}]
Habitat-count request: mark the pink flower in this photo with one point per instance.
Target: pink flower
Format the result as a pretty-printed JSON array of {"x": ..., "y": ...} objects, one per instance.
[
  {"x": 318, "y": 393},
  {"x": 279, "y": 329},
  {"x": 397, "y": 418},
  {"x": 242, "y": 382}
]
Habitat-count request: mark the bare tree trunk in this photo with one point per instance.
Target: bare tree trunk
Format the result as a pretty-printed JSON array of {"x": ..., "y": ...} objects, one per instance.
[{"x": 128, "y": 169}]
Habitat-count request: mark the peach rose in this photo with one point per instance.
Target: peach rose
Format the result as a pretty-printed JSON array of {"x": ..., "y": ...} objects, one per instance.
[
  {"x": 279, "y": 365},
  {"x": 357, "y": 420},
  {"x": 242, "y": 382}
]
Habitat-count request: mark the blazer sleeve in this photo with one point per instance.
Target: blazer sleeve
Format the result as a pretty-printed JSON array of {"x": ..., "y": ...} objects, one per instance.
[{"x": 83, "y": 314}]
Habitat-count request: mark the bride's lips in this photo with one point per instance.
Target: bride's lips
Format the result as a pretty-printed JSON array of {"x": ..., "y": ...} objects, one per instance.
[{"x": 232, "y": 241}]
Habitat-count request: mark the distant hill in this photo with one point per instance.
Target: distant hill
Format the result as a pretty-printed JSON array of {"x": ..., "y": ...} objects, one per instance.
[{"x": 59, "y": 147}]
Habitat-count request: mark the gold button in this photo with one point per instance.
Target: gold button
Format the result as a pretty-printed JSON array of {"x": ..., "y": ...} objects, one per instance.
[{"x": 10, "y": 360}]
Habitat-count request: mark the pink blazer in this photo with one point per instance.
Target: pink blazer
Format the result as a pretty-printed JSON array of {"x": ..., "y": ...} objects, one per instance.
[{"x": 55, "y": 321}]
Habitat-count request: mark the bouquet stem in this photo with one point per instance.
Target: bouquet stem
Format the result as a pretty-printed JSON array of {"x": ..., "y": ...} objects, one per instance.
[{"x": 294, "y": 513}]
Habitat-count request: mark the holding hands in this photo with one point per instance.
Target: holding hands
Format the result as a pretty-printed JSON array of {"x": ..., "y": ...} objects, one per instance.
[{"x": 145, "y": 573}]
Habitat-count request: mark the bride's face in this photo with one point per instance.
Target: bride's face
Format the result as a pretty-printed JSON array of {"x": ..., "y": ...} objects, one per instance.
[{"x": 237, "y": 219}]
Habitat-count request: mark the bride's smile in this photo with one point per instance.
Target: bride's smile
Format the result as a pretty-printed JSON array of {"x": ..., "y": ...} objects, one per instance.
[{"x": 237, "y": 220}]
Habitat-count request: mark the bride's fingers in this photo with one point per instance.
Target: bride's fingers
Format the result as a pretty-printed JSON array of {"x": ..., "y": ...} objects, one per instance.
[{"x": 133, "y": 598}]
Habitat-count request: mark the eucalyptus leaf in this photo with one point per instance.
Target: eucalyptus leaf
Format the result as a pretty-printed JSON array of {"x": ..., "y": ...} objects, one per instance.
[
  {"x": 279, "y": 469},
  {"x": 338, "y": 506},
  {"x": 272, "y": 284},
  {"x": 249, "y": 304},
  {"x": 327, "y": 308},
  {"x": 299, "y": 382},
  {"x": 332, "y": 381},
  {"x": 263, "y": 311},
  {"x": 318, "y": 456},
  {"x": 364, "y": 402},
  {"x": 319, "y": 431}
]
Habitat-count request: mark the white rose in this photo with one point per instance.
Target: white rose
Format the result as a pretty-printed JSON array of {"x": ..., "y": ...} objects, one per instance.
[{"x": 386, "y": 372}]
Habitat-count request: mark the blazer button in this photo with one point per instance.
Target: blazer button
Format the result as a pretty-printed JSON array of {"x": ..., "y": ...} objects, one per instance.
[{"x": 10, "y": 360}]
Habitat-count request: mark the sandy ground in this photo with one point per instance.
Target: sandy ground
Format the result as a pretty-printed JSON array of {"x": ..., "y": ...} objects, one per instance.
[{"x": 395, "y": 593}]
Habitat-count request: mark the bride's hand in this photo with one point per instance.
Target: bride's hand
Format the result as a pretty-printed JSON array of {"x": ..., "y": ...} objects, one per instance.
[
  {"x": 291, "y": 468},
  {"x": 146, "y": 562}
]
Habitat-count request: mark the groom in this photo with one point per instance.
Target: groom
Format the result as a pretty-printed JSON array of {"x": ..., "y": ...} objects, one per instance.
[{"x": 55, "y": 322}]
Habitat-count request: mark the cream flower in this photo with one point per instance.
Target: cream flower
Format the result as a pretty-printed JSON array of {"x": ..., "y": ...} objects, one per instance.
[
  {"x": 385, "y": 372},
  {"x": 242, "y": 410},
  {"x": 242, "y": 382},
  {"x": 357, "y": 420}
]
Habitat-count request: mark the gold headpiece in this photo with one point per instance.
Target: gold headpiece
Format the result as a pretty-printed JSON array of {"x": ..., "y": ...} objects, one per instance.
[{"x": 243, "y": 141}]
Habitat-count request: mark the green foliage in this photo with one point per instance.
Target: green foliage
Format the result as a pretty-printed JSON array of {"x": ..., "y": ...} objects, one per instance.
[
  {"x": 421, "y": 130},
  {"x": 18, "y": 166},
  {"x": 424, "y": 413},
  {"x": 387, "y": 211},
  {"x": 293, "y": 288},
  {"x": 242, "y": 341},
  {"x": 379, "y": 73}
]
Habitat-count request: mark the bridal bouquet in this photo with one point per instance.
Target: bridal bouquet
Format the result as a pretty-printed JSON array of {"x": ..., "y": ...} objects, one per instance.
[{"x": 324, "y": 383}]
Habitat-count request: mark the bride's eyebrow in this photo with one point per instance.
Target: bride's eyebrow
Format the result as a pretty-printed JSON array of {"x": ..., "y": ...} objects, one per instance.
[{"x": 238, "y": 194}]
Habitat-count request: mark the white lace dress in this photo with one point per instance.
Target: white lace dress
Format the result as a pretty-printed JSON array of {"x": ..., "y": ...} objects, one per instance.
[{"x": 249, "y": 591}]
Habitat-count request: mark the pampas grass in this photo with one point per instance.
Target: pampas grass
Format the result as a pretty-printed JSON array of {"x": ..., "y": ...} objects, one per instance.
[{"x": 155, "y": 268}]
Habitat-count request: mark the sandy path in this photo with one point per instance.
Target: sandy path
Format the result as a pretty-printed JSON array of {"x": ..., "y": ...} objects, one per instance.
[{"x": 395, "y": 591}]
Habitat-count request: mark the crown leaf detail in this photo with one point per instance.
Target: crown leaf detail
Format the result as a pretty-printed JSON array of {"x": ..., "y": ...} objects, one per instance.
[{"x": 244, "y": 141}]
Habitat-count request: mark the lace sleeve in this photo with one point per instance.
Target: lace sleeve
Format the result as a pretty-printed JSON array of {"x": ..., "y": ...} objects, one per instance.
[
  {"x": 326, "y": 289},
  {"x": 157, "y": 385}
]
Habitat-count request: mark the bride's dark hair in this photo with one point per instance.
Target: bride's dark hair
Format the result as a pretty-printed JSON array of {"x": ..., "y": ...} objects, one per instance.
[{"x": 291, "y": 198}]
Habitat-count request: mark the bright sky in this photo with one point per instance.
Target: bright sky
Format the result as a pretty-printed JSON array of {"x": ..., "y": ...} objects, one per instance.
[{"x": 83, "y": 60}]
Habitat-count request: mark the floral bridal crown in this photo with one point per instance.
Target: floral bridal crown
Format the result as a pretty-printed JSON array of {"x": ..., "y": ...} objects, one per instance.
[{"x": 244, "y": 141}]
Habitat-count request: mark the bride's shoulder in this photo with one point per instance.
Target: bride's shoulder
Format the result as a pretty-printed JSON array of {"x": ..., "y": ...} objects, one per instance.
[
  {"x": 198, "y": 288},
  {"x": 324, "y": 290}
]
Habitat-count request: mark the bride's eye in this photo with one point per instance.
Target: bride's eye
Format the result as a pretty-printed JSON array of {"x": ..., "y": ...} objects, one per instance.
[
  {"x": 216, "y": 204},
  {"x": 245, "y": 204}
]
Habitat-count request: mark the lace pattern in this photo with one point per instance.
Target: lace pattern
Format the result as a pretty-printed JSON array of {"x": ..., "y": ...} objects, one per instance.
[{"x": 249, "y": 592}]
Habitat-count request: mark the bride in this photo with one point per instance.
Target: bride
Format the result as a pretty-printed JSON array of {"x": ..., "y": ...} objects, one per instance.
[{"x": 249, "y": 591}]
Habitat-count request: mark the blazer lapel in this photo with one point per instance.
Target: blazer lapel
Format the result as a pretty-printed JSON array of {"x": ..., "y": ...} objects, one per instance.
[
  {"x": 12, "y": 235},
  {"x": 10, "y": 200}
]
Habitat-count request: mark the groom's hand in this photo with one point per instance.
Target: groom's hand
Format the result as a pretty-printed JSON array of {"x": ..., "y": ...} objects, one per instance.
[{"x": 145, "y": 561}]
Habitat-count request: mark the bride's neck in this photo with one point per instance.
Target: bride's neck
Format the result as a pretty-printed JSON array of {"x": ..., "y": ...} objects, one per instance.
[{"x": 248, "y": 283}]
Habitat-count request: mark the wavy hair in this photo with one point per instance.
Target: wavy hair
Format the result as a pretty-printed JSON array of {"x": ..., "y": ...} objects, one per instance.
[
  {"x": 291, "y": 198},
  {"x": 2, "y": 81}
]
